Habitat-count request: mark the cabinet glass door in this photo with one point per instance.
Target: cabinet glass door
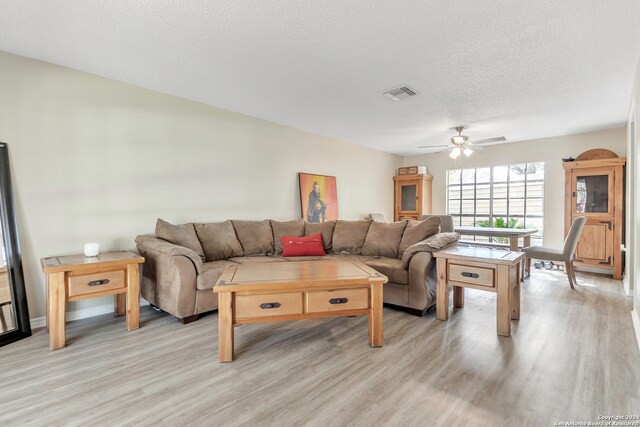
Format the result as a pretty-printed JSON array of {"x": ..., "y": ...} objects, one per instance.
[
  {"x": 592, "y": 194},
  {"x": 409, "y": 197}
]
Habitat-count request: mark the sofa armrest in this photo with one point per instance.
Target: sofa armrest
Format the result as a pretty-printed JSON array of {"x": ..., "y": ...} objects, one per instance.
[
  {"x": 163, "y": 247},
  {"x": 169, "y": 275},
  {"x": 430, "y": 244}
]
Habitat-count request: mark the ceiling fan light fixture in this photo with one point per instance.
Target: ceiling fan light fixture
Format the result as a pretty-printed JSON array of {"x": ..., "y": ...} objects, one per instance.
[
  {"x": 455, "y": 153},
  {"x": 468, "y": 151},
  {"x": 458, "y": 139}
]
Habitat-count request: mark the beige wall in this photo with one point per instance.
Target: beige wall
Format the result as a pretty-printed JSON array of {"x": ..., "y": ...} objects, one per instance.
[
  {"x": 549, "y": 150},
  {"x": 98, "y": 160}
]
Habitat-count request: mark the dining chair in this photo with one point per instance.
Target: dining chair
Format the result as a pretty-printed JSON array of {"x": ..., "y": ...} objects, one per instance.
[{"x": 565, "y": 254}]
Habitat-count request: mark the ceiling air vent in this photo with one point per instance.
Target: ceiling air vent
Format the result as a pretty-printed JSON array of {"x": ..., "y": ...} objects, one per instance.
[{"x": 399, "y": 93}]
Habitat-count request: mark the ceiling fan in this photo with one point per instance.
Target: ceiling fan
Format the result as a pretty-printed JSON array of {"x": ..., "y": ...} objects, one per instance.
[{"x": 460, "y": 144}]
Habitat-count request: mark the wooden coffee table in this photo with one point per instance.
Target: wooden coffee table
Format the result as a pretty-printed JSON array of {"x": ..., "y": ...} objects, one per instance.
[{"x": 270, "y": 292}]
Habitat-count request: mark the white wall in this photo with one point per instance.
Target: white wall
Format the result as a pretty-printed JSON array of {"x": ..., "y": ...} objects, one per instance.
[
  {"x": 98, "y": 160},
  {"x": 548, "y": 150},
  {"x": 633, "y": 254}
]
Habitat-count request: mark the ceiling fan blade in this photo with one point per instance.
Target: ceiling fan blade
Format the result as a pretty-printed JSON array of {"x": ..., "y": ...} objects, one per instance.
[
  {"x": 433, "y": 146},
  {"x": 442, "y": 151},
  {"x": 488, "y": 140}
]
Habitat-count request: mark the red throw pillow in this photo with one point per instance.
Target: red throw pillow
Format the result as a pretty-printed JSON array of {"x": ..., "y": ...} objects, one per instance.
[{"x": 302, "y": 246}]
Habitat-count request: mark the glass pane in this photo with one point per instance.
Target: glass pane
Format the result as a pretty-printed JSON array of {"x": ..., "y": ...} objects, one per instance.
[
  {"x": 499, "y": 207},
  {"x": 468, "y": 207},
  {"x": 482, "y": 221},
  {"x": 481, "y": 239},
  {"x": 468, "y": 176},
  {"x": 535, "y": 189},
  {"x": 454, "y": 177},
  {"x": 535, "y": 207},
  {"x": 454, "y": 192},
  {"x": 516, "y": 206},
  {"x": 408, "y": 196},
  {"x": 467, "y": 221},
  {"x": 500, "y": 173},
  {"x": 468, "y": 192},
  {"x": 592, "y": 193},
  {"x": 454, "y": 207},
  {"x": 500, "y": 191},
  {"x": 483, "y": 207},
  {"x": 517, "y": 172},
  {"x": 515, "y": 222},
  {"x": 483, "y": 191},
  {"x": 516, "y": 189},
  {"x": 456, "y": 220},
  {"x": 535, "y": 170},
  {"x": 483, "y": 174}
]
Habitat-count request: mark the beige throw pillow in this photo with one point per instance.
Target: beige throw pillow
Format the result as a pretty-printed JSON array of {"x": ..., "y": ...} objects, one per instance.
[
  {"x": 417, "y": 231},
  {"x": 218, "y": 240},
  {"x": 182, "y": 235},
  {"x": 349, "y": 236},
  {"x": 288, "y": 228},
  {"x": 383, "y": 239}
]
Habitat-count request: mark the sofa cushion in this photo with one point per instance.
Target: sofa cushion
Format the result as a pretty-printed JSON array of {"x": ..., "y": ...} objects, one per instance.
[
  {"x": 218, "y": 240},
  {"x": 257, "y": 259},
  {"x": 417, "y": 231},
  {"x": 392, "y": 268},
  {"x": 255, "y": 237},
  {"x": 348, "y": 257},
  {"x": 302, "y": 246},
  {"x": 383, "y": 239},
  {"x": 349, "y": 236},
  {"x": 181, "y": 235},
  {"x": 211, "y": 272},
  {"x": 288, "y": 228},
  {"x": 324, "y": 228},
  {"x": 430, "y": 244}
]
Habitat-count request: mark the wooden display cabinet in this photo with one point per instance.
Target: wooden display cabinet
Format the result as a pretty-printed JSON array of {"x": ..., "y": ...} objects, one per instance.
[
  {"x": 594, "y": 188},
  {"x": 412, "y": 196}
]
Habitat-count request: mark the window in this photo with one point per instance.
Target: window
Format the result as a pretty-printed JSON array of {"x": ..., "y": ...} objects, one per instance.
[{"x": 510, "y": 195}]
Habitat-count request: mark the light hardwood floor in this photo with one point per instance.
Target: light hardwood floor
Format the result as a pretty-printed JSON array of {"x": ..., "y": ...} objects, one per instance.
[{"x": 571, "y": 357}]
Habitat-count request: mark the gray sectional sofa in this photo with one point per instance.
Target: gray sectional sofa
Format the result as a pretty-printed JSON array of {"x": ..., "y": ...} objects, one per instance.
[{"x": 182, "y": 263}]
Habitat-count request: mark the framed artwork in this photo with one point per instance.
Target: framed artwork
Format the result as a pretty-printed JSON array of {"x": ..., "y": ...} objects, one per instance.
[{"x": 318, "y": 197}]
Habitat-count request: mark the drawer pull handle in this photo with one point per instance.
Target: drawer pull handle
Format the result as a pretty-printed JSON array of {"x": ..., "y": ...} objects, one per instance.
[
  {"x": 338, "y": 300},
  {"x": 472, "y": 275},
  {"x": 268, "y": 305},
  {"x": 98, "y": 282}
]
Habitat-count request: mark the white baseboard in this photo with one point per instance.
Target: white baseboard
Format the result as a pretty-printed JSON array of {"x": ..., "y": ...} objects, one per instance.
[
  {"x": 636, "y": 324},
  {"x": 40, "y": 322},
  {"x": 625, "y": 283}
]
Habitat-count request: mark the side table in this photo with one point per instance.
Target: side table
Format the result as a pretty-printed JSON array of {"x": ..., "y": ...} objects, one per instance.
[
  {"x": 484, "y": 269},
  {"x": 77, "y": 277}
]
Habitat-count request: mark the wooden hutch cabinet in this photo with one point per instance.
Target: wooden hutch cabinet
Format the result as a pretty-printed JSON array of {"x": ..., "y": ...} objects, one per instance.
[
  {"x": 594, "y": 188},
  {"x": 413, "y": 196}
]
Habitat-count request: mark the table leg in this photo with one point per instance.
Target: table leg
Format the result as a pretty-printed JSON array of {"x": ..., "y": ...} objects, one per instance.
[
  {"x": 376, "y": 333},
  {"x": 47, "y": 315},
  {"x": 513, "y": 243},
  {"x": 225, "y": 326},
  {"x": 120, "y": 304},
  {"x": 57, "y": 311},
  {"x": 503, "y": 310},
  {"x": 514, "y": 299},
  {"x": 442, "y": 294},
  {"x": 458, "y": 296},
  {"x": 133, "y": 297},
  {"x": 527, "y": 262}
]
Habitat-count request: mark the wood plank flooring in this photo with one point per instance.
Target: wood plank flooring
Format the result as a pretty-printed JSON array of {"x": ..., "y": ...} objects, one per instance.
[{"x": 571, "y": 357}]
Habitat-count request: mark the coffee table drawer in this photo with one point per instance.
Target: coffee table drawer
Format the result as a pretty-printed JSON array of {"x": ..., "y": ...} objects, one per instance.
[
  {"x": 268, "y": 305},
  {"x": 473, "y": 275},
  {"x": 83, "y": 284},
  {"x": 337, "y": 300}
]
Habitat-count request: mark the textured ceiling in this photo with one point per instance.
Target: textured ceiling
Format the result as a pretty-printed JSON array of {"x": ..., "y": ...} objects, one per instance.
[{"x": 522, "y": 69}]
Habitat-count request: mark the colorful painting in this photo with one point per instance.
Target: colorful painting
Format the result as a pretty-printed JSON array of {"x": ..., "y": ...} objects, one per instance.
[{"x": 318, "y": 197}]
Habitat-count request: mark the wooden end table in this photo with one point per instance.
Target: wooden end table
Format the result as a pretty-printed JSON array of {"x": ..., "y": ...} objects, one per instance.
[
  {"x": 77, "y": 277},
  {"x": 269, "y": 292},
  {"x": 484, "y": 269}
]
